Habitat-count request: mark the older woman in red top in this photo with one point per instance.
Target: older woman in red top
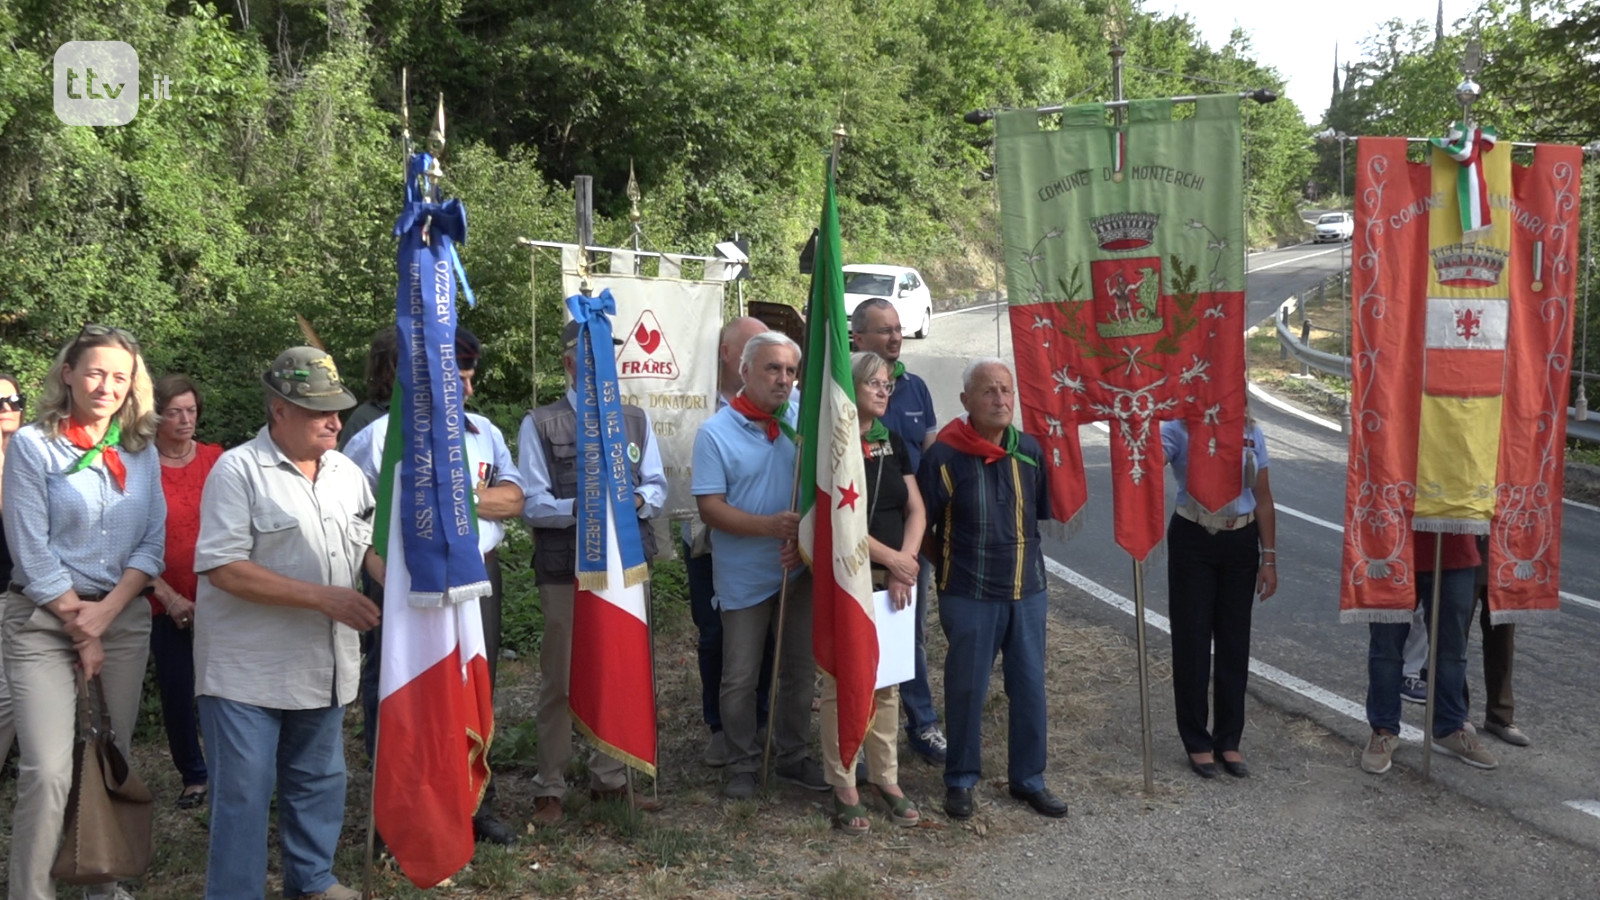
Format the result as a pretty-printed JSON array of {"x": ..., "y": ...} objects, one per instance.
[{"x": 185, "y": 463}]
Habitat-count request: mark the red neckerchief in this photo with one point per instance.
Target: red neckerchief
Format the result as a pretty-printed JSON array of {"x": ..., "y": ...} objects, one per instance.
[
  {"x": 962, "y": 436},
  {"x": 742, "y": 405},
  {"x": 105, "y": 449}
]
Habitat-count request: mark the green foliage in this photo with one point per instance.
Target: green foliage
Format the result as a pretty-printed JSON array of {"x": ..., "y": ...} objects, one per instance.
[
  {"x": 267, "y": 186},
  {"x": 1540, "y": 81}
]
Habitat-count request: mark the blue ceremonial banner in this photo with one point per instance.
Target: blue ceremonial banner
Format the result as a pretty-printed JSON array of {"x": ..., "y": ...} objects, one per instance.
[
  {"x": 605, "y": 483},
  {"x": 438, "y": 521}
]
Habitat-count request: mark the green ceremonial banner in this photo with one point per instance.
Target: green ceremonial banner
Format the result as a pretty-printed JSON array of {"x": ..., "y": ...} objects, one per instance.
[{"x": 1125, "y": 268}]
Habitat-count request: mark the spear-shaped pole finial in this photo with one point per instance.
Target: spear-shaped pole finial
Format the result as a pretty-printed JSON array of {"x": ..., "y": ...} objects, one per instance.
[{"x": 839, "y": 134}]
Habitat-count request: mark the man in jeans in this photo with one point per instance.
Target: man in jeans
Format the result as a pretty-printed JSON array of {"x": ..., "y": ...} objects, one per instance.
[
  {"x": 876, "y": 327},
  {"x": 1385, "y": 663},
  {"x": 285, "y": 526},
  {"x": 744, "y": 459}
]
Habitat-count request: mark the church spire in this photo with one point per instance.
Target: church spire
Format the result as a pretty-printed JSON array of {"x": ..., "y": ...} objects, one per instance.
[
  {"x": 1438, "y": 28},
  {"x": 1335, "y": 73}
]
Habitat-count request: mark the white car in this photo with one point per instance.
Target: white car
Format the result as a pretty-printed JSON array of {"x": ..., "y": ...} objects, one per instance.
[
  {"x": 1335, "y": 226},
  {"x": 900, "y": 285}
]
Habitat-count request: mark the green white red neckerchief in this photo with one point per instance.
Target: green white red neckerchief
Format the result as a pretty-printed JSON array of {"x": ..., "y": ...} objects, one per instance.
[{"x": 1467, "y": 145}]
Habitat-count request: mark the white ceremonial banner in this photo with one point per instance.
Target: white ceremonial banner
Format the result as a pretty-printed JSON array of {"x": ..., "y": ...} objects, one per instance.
[{"x": 667, "y": 362}]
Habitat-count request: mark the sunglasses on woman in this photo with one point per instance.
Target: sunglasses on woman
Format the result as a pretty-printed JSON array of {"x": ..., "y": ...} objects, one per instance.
[
  {"x": 95, "y": 330},
  {"x": 14, "y": 402}
]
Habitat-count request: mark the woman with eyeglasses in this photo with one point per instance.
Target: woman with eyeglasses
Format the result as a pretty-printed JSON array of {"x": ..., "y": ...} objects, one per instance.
[
  {"x": 85, "y": 521},
  {"x": 895, "y": 521},
  {"x": 185, "y": 463},
  {"x": 11, "y": 409}
]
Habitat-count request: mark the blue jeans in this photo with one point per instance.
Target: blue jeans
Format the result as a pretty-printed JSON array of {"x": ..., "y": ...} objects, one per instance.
[
  {"x": 978, "y": 630},
  {"x": 915, "y": 695},
  {"x": 172, "y": 648},
  {"x": 1385, "y": 657},
  {"x": 708, "y": 647},
  {"x": 253, "y": 750}
]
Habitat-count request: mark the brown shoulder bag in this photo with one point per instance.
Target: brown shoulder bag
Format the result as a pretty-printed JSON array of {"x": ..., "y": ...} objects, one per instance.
[{"x": 108, "y": 835}]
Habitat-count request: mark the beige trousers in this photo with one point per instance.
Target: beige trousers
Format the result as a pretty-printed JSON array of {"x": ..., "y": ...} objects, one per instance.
[
  {"x": 554, "y": 716},
  {"x": 8, "y": 720},
  {"x": 883, "y": 765},
  {"x": 39, "y": 662}
]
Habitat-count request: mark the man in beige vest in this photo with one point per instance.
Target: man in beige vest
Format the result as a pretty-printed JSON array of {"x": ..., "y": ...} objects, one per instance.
[{"x": 547, "y": 448}]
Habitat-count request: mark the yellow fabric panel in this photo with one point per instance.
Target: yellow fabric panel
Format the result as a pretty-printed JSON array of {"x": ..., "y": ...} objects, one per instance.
[{"x": 1457, "y": 456}]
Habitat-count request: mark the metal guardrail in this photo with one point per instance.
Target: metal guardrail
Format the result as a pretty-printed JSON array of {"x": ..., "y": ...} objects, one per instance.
[{"x": 1296, "y": 346}]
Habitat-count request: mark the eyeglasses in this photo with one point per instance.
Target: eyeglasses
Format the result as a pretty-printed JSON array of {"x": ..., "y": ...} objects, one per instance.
[
  {"x": 879, "y": 384},
  {"x": 18, "y": 402}
]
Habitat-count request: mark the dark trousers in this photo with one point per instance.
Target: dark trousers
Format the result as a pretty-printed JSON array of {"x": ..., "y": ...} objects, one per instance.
[
  {"x": 1499, "y": 646},
  {"x": 173, "y": 650},
  {"x": 372, "y": 650},
  {"x": 1211, "y": 586},
  {"x": 915, "y": 695},
  {"x": 708, "y": 647}
]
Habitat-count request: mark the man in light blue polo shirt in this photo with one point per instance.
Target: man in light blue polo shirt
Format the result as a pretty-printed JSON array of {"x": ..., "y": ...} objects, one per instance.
[{"x": 744, "y": 460}]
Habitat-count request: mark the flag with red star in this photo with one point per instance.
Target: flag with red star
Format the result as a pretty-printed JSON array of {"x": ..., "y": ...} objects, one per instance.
[{"x": 833, "y": 523}]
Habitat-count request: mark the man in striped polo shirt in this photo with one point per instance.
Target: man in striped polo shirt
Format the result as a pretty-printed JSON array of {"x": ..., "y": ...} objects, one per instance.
[{"x": 986, "y": 489}]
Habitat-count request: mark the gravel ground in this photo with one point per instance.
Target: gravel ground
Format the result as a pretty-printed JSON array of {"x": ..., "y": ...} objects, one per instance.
[{"x": 1308, "y": 823}]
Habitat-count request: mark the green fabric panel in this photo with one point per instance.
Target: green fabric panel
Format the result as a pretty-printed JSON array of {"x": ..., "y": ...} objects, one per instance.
[
  {"x": 1054, "y": 184},
  {"x": 1141, "y": 111}
]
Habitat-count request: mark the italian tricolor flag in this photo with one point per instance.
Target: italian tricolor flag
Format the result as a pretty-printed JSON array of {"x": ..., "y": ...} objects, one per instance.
[
  {"x": 435, "y": 710},
  {"x": 834, "y": 495}
]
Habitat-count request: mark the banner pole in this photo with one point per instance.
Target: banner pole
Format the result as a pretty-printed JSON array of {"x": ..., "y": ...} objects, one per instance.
[
  {"x": 777, "y": 640},
  {"x": 1119, "y": 113},
  {"x": 372, "y": 818},
  {"x": 1144, "y": 674},
  {"x": 1433, "y": 658}
]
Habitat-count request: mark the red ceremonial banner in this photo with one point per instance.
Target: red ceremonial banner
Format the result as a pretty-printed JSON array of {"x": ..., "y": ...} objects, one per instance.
[{"x": 1389, "y": 334}]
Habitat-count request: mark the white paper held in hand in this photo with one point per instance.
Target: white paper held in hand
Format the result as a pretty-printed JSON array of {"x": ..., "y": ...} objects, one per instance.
[{"x": 897, "y": 640}]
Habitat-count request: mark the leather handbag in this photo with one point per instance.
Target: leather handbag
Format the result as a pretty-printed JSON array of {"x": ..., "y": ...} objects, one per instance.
[{"x": 108, "y": 835}]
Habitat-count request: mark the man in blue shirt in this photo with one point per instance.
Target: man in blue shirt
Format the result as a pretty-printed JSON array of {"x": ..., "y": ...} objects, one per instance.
[
  {"x": 876, "y": 327},
  {"x": 744, "y": 460}
]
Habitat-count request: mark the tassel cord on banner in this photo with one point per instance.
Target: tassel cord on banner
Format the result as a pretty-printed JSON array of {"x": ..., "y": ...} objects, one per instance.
[{"x": 1433, "y": 657}]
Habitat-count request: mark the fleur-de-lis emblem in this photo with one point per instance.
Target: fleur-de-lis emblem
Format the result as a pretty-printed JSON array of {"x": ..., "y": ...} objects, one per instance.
[{"x": 1468, "y": 324}]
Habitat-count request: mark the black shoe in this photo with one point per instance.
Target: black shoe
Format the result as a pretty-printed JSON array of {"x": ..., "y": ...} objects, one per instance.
[
  {"x": 1204, "y": 770},
  {"x": 1043, "y": 802},
  {"x": 487, "y": 829},
  {"x": 1236, "y": 769},
  {"x": 958, "y": 803}
]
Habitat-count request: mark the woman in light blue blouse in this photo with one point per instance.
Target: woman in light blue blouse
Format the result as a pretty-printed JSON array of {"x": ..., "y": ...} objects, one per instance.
[
  {"x": 85, "y": 519},
  {"x": 1218, "y": 564}
]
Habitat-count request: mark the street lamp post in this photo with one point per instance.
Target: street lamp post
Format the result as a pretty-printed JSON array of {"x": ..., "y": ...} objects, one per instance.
[{"x": 1329, "y": 134}]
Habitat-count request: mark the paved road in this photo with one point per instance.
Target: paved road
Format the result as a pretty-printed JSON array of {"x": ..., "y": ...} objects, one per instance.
[{"x": 1298, "y": 638}]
